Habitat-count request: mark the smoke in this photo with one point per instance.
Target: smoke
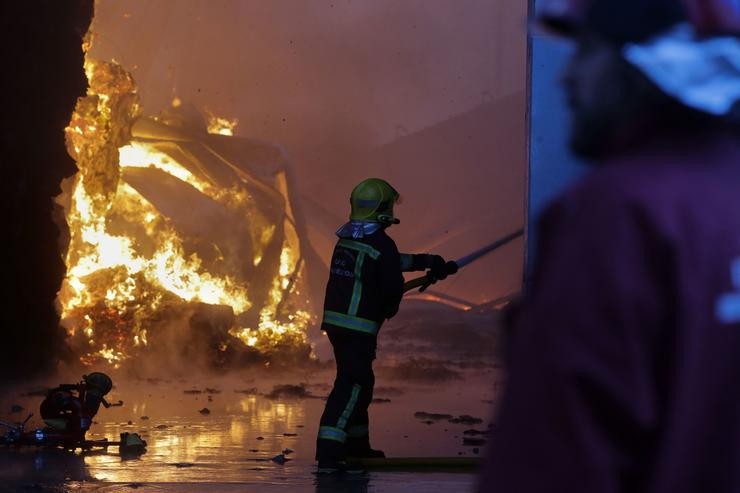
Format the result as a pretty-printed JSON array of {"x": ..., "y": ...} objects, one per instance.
[{"x": 428, "y": 94}]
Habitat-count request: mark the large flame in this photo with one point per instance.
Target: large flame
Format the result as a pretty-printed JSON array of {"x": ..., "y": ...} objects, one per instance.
[{"x": 128, "y": 266}]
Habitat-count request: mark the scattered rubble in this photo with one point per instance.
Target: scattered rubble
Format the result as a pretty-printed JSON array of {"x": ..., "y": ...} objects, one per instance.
[
  {"x": 260, "y": 438},
  {"x": 474, "y": 441},
  {"x": 476, "y": 432},
  {"x": 205, "y": 411},
  {"x": 182, "y": 464},
  {"x": 289, "y": 390},
  {"x": 421, "y": 370},
  {"x": 432, "y": 416},
  {"x": 250, "y": 391},
  {"x": 466, "y": 419},
  {"x": 161, "y": 427},
  {"x": 280, "y": 459}
]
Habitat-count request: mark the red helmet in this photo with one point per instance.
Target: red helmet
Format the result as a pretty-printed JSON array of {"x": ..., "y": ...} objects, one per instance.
[{"x": 625, "y": 21}]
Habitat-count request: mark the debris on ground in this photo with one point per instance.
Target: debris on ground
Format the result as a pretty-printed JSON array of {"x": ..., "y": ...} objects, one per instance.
[
  {"x": 192, "y": 391},
  {"x": 16, "y": 408},
  {"x": 466, "y": 419},
  {"x": 280, "y": 459},
  {"x": 474, "y": 441},
  {"x": 161, "y": 427},
  {"x": 260, "y": 438},
  {"x": 250, "y": 391},
  {"x": 290, "y": 434},
  {"x": 254, "y": 450},
  {"x": 432, "y": 416},
  {"x": 144, "y": 418},
  {"x": 476, "y": 432},
  {"x": 289, "y": 390},
  {"x": 212, "y": 391},
  {"x": 210, "y": 398},
  {"x": 287, "y": 451},
  {"x": 129, "y": 422},
  {"x": 182, "y": 464},
  {"x": 205, "y": 411}
]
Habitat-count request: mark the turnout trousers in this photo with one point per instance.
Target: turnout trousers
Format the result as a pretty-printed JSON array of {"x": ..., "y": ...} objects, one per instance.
[{"x": 343, "y": 429}]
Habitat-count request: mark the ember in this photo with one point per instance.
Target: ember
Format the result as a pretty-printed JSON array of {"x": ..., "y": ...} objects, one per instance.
[{"x": 168, "y": 216}]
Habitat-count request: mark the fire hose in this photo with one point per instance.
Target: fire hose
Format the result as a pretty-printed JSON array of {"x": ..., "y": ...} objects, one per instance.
[{"x": 427, "y": 280}]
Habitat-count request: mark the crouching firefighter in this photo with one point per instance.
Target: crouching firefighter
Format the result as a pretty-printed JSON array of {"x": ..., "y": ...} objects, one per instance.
[
  {"x": 70, "y": 408},
  {"x": 364, "y": 289}
]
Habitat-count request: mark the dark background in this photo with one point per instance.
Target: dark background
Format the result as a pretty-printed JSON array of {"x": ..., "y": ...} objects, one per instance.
[{"x": 42, "y": 78}]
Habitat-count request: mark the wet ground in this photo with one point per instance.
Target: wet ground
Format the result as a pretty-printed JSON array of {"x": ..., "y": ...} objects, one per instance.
[{"x": 231, "y": 446}]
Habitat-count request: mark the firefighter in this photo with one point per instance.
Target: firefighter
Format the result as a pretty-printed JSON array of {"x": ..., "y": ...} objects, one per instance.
[
  {"x": 71, "y": 407},
  {"x": 364, "y": 289},
  {"x": 625, "y": 356}
]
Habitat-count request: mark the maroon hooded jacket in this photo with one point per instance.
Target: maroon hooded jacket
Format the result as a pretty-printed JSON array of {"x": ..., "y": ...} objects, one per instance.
[{"x": 625, "y": 363}]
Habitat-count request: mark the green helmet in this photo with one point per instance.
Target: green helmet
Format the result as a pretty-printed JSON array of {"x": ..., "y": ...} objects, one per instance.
[
  {"x": 98, "y": 381},
  {"x": 372, "y": 200}
]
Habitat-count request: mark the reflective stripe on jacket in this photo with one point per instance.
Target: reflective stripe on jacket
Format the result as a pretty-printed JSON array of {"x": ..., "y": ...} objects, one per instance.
[{"x": 365, "y": 283}]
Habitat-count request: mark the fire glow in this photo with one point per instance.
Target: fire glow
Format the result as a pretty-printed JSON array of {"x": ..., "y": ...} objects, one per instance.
[{"x": 130, "y": 267}]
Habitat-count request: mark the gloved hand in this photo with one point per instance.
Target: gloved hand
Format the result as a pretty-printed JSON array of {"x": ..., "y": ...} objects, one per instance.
[
  {"x": 436, "y": 266},
  {"x": 439, "y": 269}
]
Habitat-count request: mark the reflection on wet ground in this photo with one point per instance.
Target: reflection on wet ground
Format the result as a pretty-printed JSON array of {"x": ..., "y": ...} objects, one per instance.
[
  {"x": 223, "y": 434},
  {"x": 210, "y": 434}
]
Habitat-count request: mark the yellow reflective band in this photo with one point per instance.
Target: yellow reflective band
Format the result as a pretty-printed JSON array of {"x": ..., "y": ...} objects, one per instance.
[
  {"x": 360, "y": 247},
  {"x": 352, "y": 323},
  {"x": 331, "y": 433},
  {"x": 354, "y": 303},
  {"x": 350, "y": 406}
]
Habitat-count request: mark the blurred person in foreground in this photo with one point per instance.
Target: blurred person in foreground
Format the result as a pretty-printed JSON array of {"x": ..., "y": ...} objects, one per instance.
[{"x": 625, "y": 357}]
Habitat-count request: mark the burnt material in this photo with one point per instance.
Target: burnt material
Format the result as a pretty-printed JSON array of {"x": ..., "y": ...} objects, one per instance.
[{"x": 43, "y": 76}]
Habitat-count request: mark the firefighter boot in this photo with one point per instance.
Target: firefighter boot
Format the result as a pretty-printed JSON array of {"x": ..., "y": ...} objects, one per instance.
[{"x": 359, "y": 448}]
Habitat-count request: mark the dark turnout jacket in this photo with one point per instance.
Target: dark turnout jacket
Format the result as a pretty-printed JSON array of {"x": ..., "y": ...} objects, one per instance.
[
  {"x": 365, "y": 284},
  {"x": 625, "y": 360}
]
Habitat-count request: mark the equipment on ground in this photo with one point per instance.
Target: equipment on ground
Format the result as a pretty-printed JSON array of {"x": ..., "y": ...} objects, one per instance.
[
  {"x": 427, "y": 280},
  {"x": 67, "y": 411},
  {"x": 130, "y": 444}
]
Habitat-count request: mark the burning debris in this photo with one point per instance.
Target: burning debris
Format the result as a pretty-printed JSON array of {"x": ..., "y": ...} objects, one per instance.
[{"x": 179, "y": 235}]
